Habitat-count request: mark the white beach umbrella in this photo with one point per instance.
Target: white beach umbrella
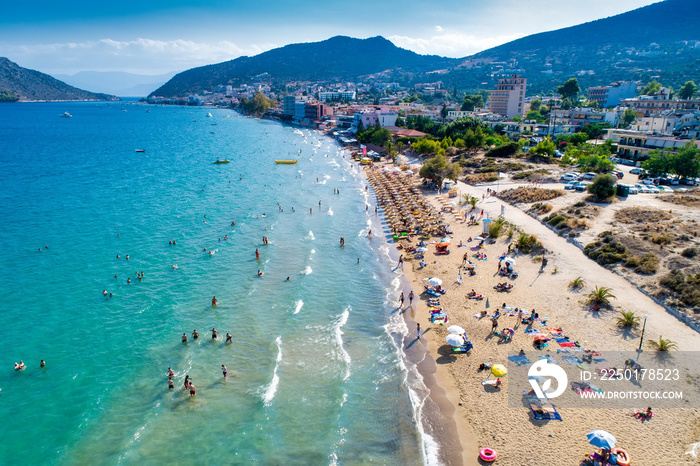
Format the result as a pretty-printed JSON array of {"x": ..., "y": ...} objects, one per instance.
[
  {"x": 455, "y": 329},
  {"x": 510, "y": 261},
  {"x": 454, "y": 340},
  {"x": 478, "y": 238},
  {"x": 435, "y": 281},
  {"x": 421, "y": 249}
]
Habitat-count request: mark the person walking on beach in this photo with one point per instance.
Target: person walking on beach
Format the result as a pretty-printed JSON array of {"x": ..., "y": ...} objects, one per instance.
[
  {"x": 418, "y": 330},
  {"x": 494, "y": 324},
  {"x": 224, "y": 370},
  {"x": 401, "y": 300},
  {"x": 400, "y": 265},
  {"x": 410, "y": 299}
]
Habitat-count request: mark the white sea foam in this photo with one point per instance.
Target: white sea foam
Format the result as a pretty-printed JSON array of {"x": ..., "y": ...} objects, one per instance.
[
  {"x": 271, "y": 389},
  {"x": 297, "y": 306},
  {"x": 344, "y": 356},
  {"x": 310, "y": 235},
  {"x": 313, "y": 251},
  {"x": 306, "y": 271}
]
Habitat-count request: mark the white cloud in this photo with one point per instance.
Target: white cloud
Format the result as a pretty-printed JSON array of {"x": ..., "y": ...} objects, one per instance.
[
  {"x": 451, "y": 44},
  {"x": 438, "y": 28},
  {"x": 143, "y": 56}
]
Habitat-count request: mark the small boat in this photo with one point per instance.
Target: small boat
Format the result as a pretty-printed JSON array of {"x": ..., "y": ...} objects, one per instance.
[
  {"x": 209, "y": 115},
  {"x": 286, "y": 161},
  {"x": 140, "y": 150},
  {"x": 222, "y": 161},
  {"x": 66, "y": 115}
]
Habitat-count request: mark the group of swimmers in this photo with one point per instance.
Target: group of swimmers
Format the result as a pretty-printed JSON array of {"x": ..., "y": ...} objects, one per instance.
[
  {"x": 214, "y": 336},
  {"x": 20, "y": 366}
]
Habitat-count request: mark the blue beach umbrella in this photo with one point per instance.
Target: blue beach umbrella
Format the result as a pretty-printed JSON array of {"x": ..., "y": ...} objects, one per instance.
[{"x": 601, "y": 439}]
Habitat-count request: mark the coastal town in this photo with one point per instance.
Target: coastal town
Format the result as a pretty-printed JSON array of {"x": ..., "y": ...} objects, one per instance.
[{"x": 412, "y": 254}]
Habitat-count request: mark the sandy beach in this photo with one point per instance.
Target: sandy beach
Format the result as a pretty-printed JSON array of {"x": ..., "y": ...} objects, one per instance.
[{"x": 482, "y": 417}]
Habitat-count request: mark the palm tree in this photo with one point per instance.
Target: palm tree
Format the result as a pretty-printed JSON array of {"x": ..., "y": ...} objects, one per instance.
[
  {"x": 628, "y": 319},
  {"x": 663, "y": 344},
  {"x": 473, "y": 200},
  {"x": 577, "y": 283},
  {"x": 523, "y": 242},
  {"x": 465, "y": 198},
  {"x": 600, "y": 297},
  {"x": 400, "y": 146}
]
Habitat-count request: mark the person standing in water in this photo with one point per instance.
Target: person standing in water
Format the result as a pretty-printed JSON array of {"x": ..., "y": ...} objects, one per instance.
[
  {"x": 214, "y": 301},
  {"x": 224, "y": 370},
  {"x": 214, "y": 334},
  {"x": 195, "y": 334},
  {"x": 184, "y": 338}
]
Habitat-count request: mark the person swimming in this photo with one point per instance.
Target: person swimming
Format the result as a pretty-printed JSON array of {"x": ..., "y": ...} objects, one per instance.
[
  {"x": 260, "y": 273},
  {"x": 20, "y": 366}
]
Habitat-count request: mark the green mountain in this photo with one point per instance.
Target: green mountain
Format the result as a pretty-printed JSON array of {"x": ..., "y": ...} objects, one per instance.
[
  {"x": 333, "y": 60},
  {"x": 30, "y": 85},
  {"x": 659, "y": 41}
]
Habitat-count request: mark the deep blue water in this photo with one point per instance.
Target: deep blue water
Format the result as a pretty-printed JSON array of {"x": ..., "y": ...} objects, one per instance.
[{"x": 315, "y": 376}]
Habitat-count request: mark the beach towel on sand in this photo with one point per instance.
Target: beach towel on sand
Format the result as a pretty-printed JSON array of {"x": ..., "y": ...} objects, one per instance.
[
  {"x": 568, "y": 344},
  {"x": 550, "y": 358},
  {"x": 545, "y": 411},
  {"x": 519, "y": 360},
  {"x": 561, "y": 339},
  {"x": 573, "y": 360}
]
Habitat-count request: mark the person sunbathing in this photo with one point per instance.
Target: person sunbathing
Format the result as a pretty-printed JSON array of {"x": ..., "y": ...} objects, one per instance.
[{"x": 472, "y": 293}]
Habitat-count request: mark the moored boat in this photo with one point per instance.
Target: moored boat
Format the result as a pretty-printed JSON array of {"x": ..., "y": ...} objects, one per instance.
[
  {"x": 222, "y": 161},
  {"x": 66, "y": 115},
  {"x": 286, "y": 161}
]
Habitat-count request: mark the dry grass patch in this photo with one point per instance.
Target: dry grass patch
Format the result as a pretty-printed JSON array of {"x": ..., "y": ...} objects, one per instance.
[
  {"x": 640, "y": 215},
  {"x": 690, "y": 198},
  {"x": 481, "y": 178},
  {"x": 528, "y": 195}
]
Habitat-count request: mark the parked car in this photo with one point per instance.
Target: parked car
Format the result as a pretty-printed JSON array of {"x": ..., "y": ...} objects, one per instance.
[
  {"x": 654, "y": 190},
  {"x": 649, "y": 181},
  {"x": 665, "y": 189},
  {"x": 631, "y": 163},
  {"x": 589, "y": 176},
  {"x": 568, "y": 177},
  {"x": 634, "y": 190},
  {"x": 581, "y": 186},
  {"x": 642, "y": 188},
  {"x": 636, "y": 171},
  {"x": 618, "y": 174},
  {"x": 688, "y": 181},
  {"x": 570, "y": 185}
]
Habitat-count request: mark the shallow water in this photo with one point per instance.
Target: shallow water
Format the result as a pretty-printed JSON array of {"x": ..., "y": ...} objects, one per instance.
[{"x": 314, "y": 373}]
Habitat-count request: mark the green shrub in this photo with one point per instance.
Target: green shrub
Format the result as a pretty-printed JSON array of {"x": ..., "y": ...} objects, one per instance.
[
  {"x": 648, "y": 265},
  {"x": 556, "y": 220},
  {"x": 580, "y": 204},
  {"x": 508, "y": 149},
  {"x": 689, "y": 252},
  {"x": 661, "y": 240},
  {"x": 673, "y": 280}
]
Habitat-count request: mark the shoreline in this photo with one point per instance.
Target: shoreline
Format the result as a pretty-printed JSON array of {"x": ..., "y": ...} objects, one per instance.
[{"x": 453, "y": 435}]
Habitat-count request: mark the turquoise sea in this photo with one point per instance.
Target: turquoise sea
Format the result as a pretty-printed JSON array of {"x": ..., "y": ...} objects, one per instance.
[{"x": 316, "y": 373}]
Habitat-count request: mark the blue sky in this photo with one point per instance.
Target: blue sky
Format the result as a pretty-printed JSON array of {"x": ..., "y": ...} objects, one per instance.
[{"x": 158, "y": 36}]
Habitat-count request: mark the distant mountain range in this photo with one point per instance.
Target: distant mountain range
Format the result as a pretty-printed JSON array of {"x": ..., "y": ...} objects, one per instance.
[
  {"x": 116, "y": 82},
  {"x": 34, "y": 85},
  {"x": 659, "y": 40},
  {"x": 336, "y": 59}
]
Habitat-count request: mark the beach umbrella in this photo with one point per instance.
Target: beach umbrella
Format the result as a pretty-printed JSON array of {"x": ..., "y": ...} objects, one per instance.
[
  {"x": 539, "y": 337},
  {"x": 435, "y": 281},
  {"x": 601, "y": 439},
  {"x": 455, "y": 329},
  {"x": 455, "y": 340},
  {"x": 499, "y": 370},
  {"x": 421, "y": 249},
  {"x": 478, "y": 238},
  {"x": 510, "y": 261}
]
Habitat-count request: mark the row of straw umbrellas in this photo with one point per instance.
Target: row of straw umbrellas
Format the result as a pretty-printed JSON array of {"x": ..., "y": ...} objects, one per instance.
[{"x": 405, "y": 207}]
